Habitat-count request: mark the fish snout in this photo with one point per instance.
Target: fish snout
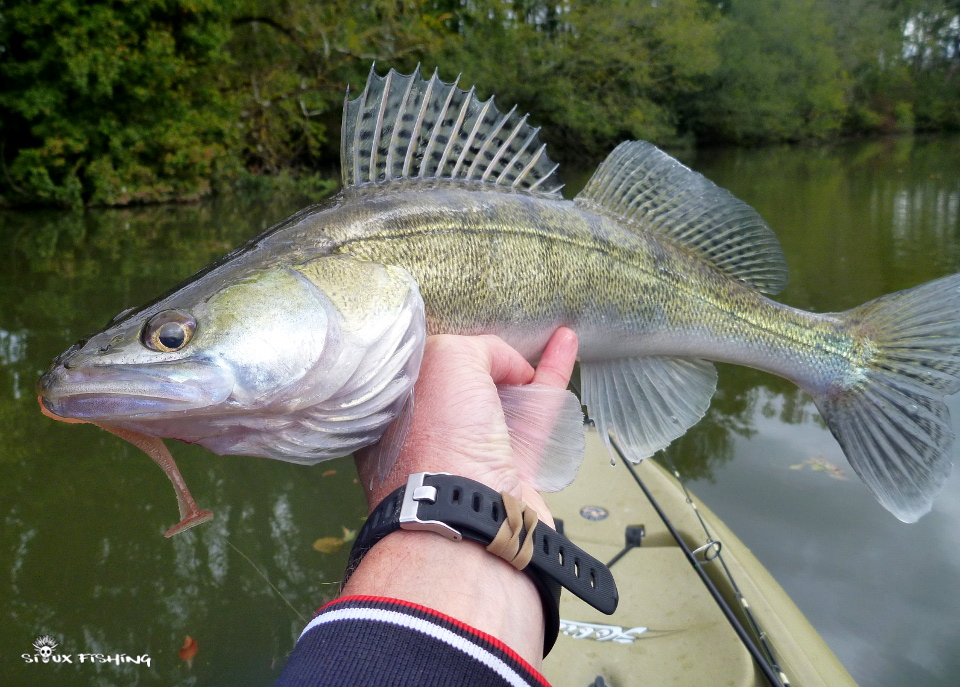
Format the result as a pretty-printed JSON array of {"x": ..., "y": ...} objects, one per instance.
[
  {"x": 112, "y": 392},
  {"x": 84, "y": 352},
  {"x": 49, "y": 390},
  {"x": 47, "y": 384}
]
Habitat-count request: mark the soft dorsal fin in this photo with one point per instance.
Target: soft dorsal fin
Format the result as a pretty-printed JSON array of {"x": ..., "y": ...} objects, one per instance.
[
  {"x": 408, "y": 127},
  {"x": 655, "y": 193}
]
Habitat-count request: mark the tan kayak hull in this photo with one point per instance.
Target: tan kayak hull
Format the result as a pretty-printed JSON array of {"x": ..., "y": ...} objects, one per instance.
[{"x": 668, "y": 630}]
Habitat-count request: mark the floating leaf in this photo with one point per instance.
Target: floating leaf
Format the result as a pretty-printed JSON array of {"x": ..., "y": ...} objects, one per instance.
[
  {"x": 348, "y": 535},
  {"x": 821, "y": 464},
  {"x": 328, "y": 544},
  {"x": 189, "y": 650}
]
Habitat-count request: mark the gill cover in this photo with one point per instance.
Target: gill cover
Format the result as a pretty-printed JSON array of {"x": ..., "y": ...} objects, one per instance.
[{"x": 359, "y": 384}]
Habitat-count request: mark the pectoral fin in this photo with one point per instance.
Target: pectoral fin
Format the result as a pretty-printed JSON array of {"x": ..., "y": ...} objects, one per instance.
[
  {"x": 385, "y": 452},
  {"x": 646, "y": 402},
  {"x": 546, "y": 433}
]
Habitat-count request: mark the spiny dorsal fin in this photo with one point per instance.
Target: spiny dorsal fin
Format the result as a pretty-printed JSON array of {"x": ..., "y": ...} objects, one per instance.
[
  {"x": 657, "y": 194},
  {"x": 408, "y": 127}
]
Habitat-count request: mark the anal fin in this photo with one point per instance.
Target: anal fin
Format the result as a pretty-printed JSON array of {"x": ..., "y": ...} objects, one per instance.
[{"x": 646, "y": 402}]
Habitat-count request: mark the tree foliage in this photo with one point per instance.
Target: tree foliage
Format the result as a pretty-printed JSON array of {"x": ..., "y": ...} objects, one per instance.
[
  {"x": 292, "y": 60},
  {"x": 592, "y": 73},
  {"x": 120, "y": 101},
  {"x": 774, "y": 82},
  {"x": 112, "y": 102}
]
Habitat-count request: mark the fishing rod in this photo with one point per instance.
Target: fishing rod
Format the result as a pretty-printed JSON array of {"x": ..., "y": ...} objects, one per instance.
[{"x": 775, "y": 677}]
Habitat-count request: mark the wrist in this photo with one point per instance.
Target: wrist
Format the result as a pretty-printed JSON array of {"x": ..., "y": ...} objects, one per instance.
[
  {"x": 460, "y": 508},
  {"x": 460, "y": 579},
  {"x": 377, "y": 489}
]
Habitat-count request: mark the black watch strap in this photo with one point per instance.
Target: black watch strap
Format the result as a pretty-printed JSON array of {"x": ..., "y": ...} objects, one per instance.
[{"x": 461, "y": 508}]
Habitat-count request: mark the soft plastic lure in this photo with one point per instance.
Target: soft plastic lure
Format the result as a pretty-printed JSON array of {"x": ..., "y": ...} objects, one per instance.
[{"x": 190, "y": 514}]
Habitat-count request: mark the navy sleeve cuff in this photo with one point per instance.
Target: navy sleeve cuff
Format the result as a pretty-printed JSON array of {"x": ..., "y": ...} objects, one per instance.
[{"x": 367, "y": 640}]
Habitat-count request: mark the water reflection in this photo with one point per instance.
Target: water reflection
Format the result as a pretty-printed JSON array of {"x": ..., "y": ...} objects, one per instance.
[
  {"x": 880, "y": 592},
  {"x": 83, "y": 513},
  {"x": 836, "y": 214}
]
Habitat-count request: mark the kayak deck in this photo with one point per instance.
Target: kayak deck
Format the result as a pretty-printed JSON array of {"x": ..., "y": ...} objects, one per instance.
[{"x": 668, "y": 629}]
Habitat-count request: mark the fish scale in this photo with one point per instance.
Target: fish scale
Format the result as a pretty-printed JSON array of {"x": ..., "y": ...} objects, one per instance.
[{"x": 474, "y": 268}]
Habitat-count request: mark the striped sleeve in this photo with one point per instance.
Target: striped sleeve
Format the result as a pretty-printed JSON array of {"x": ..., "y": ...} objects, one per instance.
[{"x": 368, "y": 640}]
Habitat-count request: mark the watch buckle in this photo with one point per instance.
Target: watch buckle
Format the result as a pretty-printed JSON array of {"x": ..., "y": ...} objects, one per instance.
[{"x": 415, "y": 493}]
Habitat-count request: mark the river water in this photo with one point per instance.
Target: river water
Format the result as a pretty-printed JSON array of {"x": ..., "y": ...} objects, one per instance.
[{"x": 81, "y": 551}]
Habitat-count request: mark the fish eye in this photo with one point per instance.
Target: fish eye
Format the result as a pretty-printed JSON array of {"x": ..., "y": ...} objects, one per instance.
[{"x": 168, "y": 331}]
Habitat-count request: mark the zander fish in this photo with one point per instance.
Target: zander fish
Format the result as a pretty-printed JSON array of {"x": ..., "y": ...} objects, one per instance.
[{"x": 304, "y": 343}]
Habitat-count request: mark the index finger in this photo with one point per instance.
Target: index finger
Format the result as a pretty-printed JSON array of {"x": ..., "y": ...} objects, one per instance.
[{"x": 556, "y": 363}]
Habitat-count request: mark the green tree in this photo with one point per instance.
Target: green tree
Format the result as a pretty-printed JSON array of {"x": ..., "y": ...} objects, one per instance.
[
  {"x": 780, "y": 77},
  {"x": 869, "y": 43},
  {"x": 592, "y": 73},
  {"x": 903, "y": 58},
  {"x": 113, "y": 102},
  {"x": 931, "y": 49},
  {"x": 120, "y": 101},
  {"x": 293, "y": 59}
]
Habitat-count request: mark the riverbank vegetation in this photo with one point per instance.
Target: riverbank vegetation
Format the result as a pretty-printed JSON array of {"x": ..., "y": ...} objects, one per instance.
[{"x": 111, "y": 103}]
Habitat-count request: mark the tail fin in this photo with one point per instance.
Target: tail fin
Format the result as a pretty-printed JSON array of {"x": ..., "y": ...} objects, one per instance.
[{"x": 892, "y": 422}]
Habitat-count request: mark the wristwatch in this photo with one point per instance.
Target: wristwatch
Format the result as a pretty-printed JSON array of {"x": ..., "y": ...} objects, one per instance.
[{"x": 461, "y": 508}]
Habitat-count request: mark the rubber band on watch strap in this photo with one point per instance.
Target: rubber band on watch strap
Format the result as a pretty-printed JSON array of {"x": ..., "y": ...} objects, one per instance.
[{"x": 461, "y": 508}]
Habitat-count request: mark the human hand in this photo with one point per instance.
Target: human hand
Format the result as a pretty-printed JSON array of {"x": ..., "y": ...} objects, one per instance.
[
  {"x": 458, "y": 422},
  {"x": 459, "y": 427}
]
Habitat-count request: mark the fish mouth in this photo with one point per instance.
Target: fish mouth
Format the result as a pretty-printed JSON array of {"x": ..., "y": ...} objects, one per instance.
[{"x": 123, "y": 392}]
